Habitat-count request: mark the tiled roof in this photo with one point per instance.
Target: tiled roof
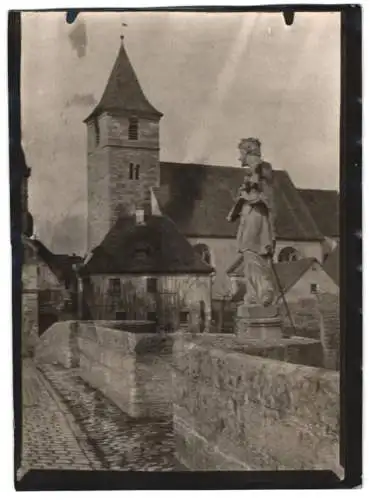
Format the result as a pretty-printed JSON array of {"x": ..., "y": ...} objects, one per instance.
[
  {"x": 324, "y": 207},
  {"x": 198, "y": 199},
  {"x": 331, "y": 265},
  {"x": 288, "y": 273},
  {"x": 154, "y": 247},
  {"x": 123, "y": 91}
]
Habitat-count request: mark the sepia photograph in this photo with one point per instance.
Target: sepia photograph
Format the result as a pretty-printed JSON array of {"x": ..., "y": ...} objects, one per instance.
[{"x": 179, "y": 241}]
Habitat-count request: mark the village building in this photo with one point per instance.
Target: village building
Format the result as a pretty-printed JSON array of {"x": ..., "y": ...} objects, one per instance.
[
  {"x": 198, "y": 199},
  {"x": 297, "y": 280},
  {"x": 48, "y": 280},
  {"x": 125, "y": 175},
  {"x": 145, "y": 269}
]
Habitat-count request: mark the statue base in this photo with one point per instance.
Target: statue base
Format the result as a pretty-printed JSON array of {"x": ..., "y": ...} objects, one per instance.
[{"x": 258, "y": 322}]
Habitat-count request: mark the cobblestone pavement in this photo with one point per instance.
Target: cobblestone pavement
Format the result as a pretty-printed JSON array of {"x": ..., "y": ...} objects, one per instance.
[
  {"x": 50, "y": 437},
  {"x": 107, "y": 438}
]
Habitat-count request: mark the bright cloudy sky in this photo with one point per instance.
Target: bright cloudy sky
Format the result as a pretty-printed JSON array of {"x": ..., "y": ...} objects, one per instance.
[{"x": 215, "y": 77}]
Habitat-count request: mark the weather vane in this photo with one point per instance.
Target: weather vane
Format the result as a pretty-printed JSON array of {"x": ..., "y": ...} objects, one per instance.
[{"x": 124, "y": 25}]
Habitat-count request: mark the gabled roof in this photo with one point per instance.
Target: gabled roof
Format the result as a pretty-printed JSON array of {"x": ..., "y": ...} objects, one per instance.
[
  {"x": 61, "y": 265},
  {"x": 324, "y": 207},
  {"x": 331, "y": 265},
  {"x": 156, "y": 247},
  {"x": 288, "y": 274},
  {"x": 123, "y": 91},
  {"x": 198, "y": 199}
]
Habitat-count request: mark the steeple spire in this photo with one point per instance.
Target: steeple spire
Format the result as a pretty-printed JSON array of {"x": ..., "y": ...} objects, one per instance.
[{"x": 123, "y": 91}]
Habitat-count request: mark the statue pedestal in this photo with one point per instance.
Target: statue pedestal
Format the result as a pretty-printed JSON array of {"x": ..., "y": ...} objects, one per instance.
[{"x": 258, "y": 322}]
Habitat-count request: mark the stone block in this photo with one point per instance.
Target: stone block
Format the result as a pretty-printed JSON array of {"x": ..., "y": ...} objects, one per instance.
[
  {"x": 132, "y": 369},
  {"x": 257, "y": 322}
]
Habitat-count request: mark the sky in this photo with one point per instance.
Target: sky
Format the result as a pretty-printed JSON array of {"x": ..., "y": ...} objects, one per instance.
[{"x": 216, "y": 78}]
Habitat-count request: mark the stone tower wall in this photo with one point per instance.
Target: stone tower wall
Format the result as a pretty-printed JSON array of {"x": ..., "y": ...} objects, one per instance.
[{"x": 111, "y": 191}]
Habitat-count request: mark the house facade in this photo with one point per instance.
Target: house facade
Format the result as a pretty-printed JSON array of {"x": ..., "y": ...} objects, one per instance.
[{"x": 145, "y": 269}]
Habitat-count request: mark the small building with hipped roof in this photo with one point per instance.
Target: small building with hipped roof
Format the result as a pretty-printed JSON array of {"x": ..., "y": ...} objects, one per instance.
[{"x": 145, "y": 269}]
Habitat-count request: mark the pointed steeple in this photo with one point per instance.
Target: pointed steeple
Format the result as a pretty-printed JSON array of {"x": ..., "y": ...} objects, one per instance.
[{"x": 123, "y": 91}]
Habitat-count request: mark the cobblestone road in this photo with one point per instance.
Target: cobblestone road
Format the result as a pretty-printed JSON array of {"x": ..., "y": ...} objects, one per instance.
[
  {"x": 50, "y": 436},
  {"x": 69, "y": 425}
]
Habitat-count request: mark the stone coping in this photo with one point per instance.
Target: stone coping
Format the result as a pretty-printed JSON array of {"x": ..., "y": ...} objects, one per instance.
[
  {"x": 232, "y": 341},
  {"x": 293, "y": 350}
]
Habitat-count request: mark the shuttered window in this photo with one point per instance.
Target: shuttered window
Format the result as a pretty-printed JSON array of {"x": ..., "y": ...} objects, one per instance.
[{"x": 133, "y": 129}]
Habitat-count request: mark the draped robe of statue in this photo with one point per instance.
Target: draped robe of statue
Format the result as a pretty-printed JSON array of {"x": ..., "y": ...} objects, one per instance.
[{"x": 256, "y": 235}]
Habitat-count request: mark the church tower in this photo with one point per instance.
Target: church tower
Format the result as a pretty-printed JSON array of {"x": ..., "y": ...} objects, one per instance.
[{"x": 122, "y": 150}]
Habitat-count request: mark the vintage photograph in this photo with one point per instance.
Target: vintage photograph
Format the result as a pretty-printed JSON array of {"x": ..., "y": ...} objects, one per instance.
[{"x": 180, "y": 234}]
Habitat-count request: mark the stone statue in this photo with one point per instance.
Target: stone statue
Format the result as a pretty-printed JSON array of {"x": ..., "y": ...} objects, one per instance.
[{"x": 254, "y": 208}]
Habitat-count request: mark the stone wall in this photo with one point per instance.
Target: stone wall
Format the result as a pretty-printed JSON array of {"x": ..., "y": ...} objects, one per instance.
[
  {"x": 111, "y": 192},
  {"x": 235, "y": 411},
  {"x": 328, "y": 306},
  {"x": 132, "y": 369},
  {"x": 58, "y": 344},
  {"x": 98, "y": 207},
  {"x": 316, "y": 318}
]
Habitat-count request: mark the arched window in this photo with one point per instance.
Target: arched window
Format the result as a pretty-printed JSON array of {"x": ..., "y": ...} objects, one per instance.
[
  {"x": 288, "y": 254},
  {"x": 203, "y": 251}
]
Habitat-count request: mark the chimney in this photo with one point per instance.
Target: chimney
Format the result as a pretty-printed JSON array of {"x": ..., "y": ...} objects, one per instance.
[{"x": 140, "y": 216}]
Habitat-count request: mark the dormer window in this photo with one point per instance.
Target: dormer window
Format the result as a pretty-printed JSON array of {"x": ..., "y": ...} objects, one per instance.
[
  {"x": 133, "y": 128},
  {"x": 142, "y": 252}
]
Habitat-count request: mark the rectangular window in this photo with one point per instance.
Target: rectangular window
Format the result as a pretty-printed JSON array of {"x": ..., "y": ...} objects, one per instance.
[
  {"x": 314, "y": 288},
  {"x": 151, "y": 316},
  {"x": 133, "y": 128},
  {"x": 151, "y": 285},
  {"x": 115, "y": 287},
  {"x": 121, "y": 315},
  {"x": 184, "y": 317},
  {"x": 134, "y": 171},
  {"x": 137, "y": 172}
]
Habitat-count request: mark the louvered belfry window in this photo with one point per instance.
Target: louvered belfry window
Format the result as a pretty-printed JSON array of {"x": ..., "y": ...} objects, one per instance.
[
  {"x": 97, "y": 132},
  {"x": 133, "y": 128}
]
